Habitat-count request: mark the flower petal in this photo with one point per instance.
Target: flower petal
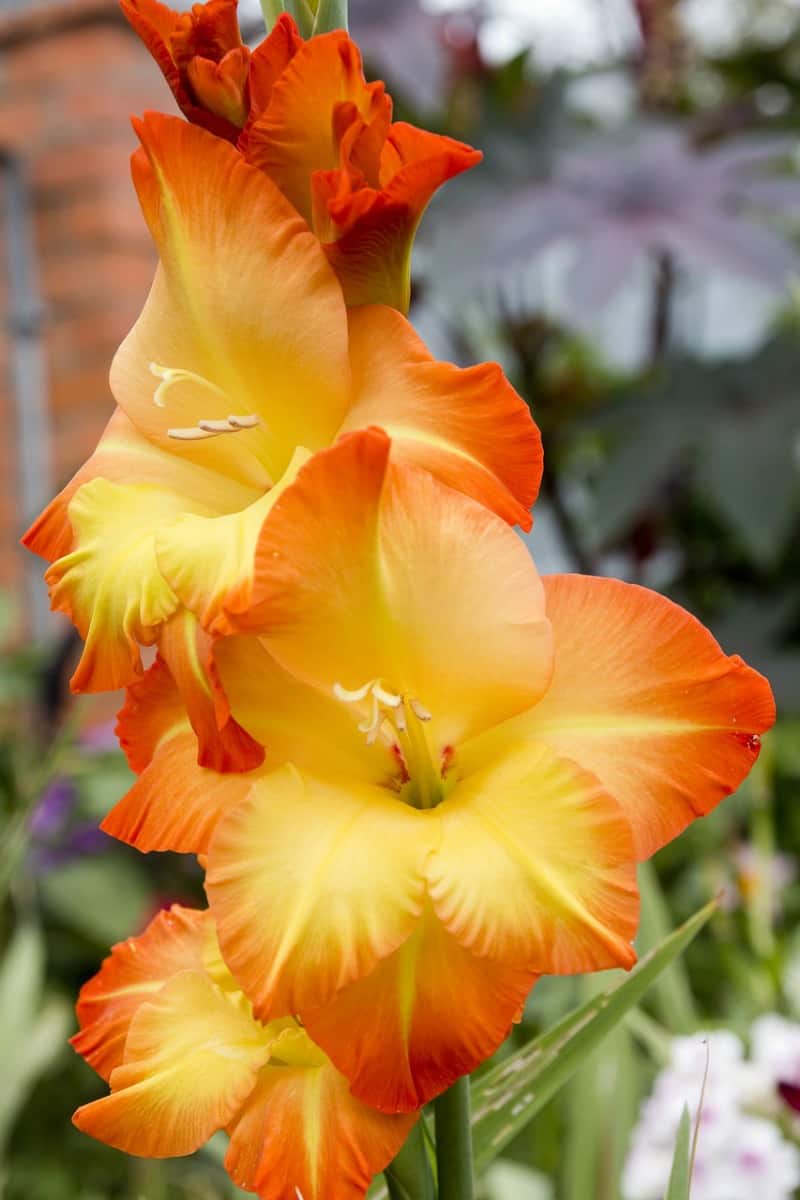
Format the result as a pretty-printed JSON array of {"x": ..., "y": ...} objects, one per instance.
[
  {"x": 176, "y": 39},
  {"x": 175, "y": 804},
  {"x": 245, "y": 316},
  {"x": 188, "y": 652},
  {"x": 155, "y": 24},
  {"x": 123, "y": 455},
  {"x": 268, "y": 62},
  {"x": 191, "y": 1060},
  {"x": 466, "y": 426},
  {"x": 296, "y": 723},
  {"x": 110, "y": 584},
  {"x": 429, "y": 1013},
  {"x": 301, "y": 1133},
  {"x": 135, "y": 970},
  {"x": 300, "y": 131},
  {"x": 300, "y": 888},
  {"x": 209, "y": 563},
  {"x": 373, "y": 229},
  {"x": 536, "y": 866},
  {"x": 388, "y": 577},
  {"x": 644, "y": 698}
]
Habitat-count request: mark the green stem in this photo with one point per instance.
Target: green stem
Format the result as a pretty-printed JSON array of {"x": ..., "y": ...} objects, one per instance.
[{"x": 454, "y": 1143}]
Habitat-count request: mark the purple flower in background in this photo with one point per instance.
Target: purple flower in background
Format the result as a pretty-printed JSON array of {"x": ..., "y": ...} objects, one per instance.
[
  {"x": 50, "y": 816},
  {"x": 56, "y": 836}
]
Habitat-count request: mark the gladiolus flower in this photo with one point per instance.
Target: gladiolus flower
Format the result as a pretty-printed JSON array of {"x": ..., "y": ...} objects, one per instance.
[
  {"x": 166, "y": 1024},
  {"x": 364, "y": 189},
  {"x": 202, "y": 57},
  {"x": 243, "y": 362},
  {"x": 464, "y": 763},
  {"x": 304, "y": 113}
]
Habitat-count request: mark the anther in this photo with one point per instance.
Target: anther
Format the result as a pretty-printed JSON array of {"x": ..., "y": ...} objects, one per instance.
[
  {"x": 194, "y": 434},
  {"x": 208, "y": 428},
  {"x": 387, "y": 709}
]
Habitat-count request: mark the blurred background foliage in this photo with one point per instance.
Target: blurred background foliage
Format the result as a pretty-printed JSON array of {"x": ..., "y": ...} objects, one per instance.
[{"x": 629, "y": 251}]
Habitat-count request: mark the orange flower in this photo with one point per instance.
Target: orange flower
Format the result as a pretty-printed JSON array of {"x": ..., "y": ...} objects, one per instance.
[
  {"x": 362, "y": 182},
  {"x": 213, "y": 75},
  {"x": 464, "y": 763},
  {"x": 304, "y": 113},
  {"x": 243, "y": 362},
  {"x": 166, "y": 1024}
]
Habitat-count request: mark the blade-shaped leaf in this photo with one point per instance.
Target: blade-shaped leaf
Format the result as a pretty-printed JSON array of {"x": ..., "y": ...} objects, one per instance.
[
  {"x": 410, "y": 1176},
  {"x": 507, "y": 1097},
  {"x": 679, "y": 1177}
]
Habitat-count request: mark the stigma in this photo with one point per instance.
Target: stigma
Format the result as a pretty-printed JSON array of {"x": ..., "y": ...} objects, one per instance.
[
  {"x": 206, "y": 428},
  {"x": 388, "y": 710}
]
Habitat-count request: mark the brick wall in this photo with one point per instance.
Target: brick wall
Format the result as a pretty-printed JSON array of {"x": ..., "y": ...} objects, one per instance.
[{"x": 71, "y": 73}]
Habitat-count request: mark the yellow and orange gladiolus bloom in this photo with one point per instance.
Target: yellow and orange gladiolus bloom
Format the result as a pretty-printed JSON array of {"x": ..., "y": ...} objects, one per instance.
[
  {"x": 167, "y": 1026},
  {"x": 304, "y": 113},
  {"x": 244, "y": 362},
  {"x": 464, "y": 763}
]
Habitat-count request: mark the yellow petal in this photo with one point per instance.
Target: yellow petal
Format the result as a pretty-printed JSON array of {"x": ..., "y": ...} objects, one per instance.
[
  {"x": 311, "y": 883},
  {"x": 110, "y": 584},
  {"x": 134, "y": 972},
  {"x": 209, "y": 562},
  {"x": 536, "y": 866},
  {"x": 191, "y": 1060}
]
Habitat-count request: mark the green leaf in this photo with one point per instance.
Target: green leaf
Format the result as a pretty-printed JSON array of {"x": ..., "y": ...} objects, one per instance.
[
  {"x": 410, "y": 1176},
  {"x": 103, "y": 898},
  {"x": 44, "y": 1040},
  {"x": 507, "y": 1097},
  {"x": 679, "y": 1178},
  {"x": 31, "y": 1037},
  {"x": 21, "y": 977},
  {"x": 672, "y": 995},
  {"x": 513, "y": 1181}
]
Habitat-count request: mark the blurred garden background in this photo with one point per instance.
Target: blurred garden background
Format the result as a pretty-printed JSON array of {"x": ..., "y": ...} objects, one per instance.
[{"x": 630, "y": 252}]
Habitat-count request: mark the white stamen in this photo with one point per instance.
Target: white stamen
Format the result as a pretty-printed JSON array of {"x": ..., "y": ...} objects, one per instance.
[
  {"x": 387, "y": 698},
  {"x": 372, "y": 736},
  {"x": 394, "y": 721},
  {"x": 214, "y": 426},
  {"x": 348, "y": 697},
  {"x": 373, "y": 721},
  {"x": 194, "y": 434},
  {"x": 207, "y": 427}
]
